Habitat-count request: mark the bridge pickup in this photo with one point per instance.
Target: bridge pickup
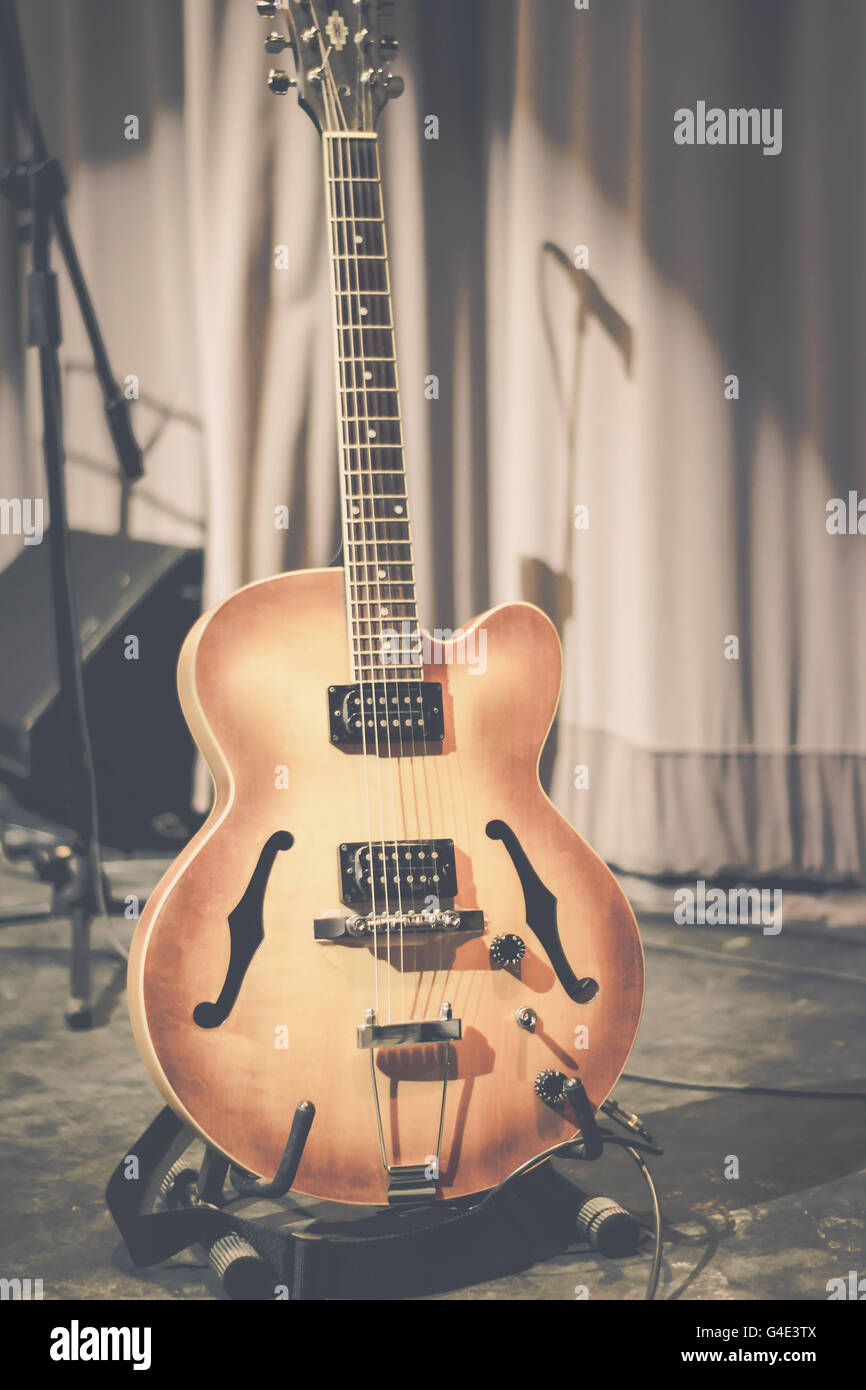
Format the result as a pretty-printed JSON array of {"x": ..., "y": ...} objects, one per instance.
[
  {"x": 395, "y": 713},
  {"x": 404, "y": 1034},
  {"x": 392, "y": 873},
  {"x": 339, "y": 927}
]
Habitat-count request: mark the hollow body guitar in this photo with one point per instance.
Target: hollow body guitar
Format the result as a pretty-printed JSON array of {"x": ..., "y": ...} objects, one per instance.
[{"x": 383, "y": 914}]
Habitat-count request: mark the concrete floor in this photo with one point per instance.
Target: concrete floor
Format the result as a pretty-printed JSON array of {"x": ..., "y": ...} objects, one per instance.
[{"x": 723, "y": 1005}]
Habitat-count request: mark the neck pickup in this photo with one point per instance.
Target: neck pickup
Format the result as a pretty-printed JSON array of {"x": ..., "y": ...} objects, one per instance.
[{"x": 386, "y": 715}]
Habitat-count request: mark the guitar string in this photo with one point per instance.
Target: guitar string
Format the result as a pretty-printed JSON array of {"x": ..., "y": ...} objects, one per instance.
[
  {"x": 396, "y": 770},
  {"x": 412, "y": 603},
  {"x": 417, "y": 638},
  {"x": 358, "y": 352},
  {"x": 355, "y": 168},
  {"x": 357, "y": 661},
  {"x": 346, "y": 477},
  {"x": 356, "y": 191}
]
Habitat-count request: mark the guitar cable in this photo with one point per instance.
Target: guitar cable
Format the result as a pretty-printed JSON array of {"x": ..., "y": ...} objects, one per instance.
[{"x": 574, "y": 1148}]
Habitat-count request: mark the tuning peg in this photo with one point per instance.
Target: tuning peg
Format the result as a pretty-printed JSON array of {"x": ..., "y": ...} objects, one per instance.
[
  {"x": 280, "y": 82},
  {"x": 394, "y": 87},
  {"x": 275, "y": 43},
  {"x": 266, "y": 10}
]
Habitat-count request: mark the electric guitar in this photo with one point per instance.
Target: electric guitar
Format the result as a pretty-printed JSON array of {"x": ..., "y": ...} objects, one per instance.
[{"x": 384, "y": 915}]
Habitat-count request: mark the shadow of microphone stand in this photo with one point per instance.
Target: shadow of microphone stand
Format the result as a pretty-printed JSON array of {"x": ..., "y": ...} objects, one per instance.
[{"x": 553, "y": 590}]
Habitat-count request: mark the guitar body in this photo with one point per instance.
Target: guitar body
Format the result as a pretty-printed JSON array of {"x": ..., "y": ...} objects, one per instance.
[{"x": 254, "y": 679}]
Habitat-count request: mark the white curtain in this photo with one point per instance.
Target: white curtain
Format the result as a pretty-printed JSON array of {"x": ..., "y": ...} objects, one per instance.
[{"x": 602, "y": 390}]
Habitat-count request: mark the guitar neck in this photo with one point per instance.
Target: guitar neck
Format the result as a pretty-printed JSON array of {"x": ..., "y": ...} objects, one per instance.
[{"x": 381, "y": 596}]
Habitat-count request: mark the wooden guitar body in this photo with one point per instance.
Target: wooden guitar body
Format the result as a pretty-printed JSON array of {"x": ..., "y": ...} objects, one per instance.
[{"x": 254, "y": 680}]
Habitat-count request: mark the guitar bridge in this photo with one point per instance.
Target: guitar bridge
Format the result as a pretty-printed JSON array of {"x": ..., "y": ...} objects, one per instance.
[{"x": 437, "y": 1030}]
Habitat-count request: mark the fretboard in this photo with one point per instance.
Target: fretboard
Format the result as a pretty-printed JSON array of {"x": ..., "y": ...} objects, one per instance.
[{"x": 381, "y": 597}]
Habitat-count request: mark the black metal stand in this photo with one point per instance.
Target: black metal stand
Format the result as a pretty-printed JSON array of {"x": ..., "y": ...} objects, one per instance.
[
  {"x": 162, "y": 1206},
  {"x": 37, "y": 187}
]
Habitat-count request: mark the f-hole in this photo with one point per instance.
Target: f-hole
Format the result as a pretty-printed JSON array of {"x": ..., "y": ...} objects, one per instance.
[{"x": 246, "y": 930}]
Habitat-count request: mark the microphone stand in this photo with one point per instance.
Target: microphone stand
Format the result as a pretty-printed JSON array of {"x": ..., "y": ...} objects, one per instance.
[{"x": 37, "y": 187}]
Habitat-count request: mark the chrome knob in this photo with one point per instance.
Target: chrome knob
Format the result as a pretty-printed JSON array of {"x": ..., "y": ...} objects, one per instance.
[
  {"x": 548, "y": 1086},
  {"x": 279, "y": 81},
  {"x": 507, "y": 949},
  {"x": 526, "y": 1018}
]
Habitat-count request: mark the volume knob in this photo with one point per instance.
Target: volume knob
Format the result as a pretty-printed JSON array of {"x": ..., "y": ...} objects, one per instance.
[
  {"x": 507, "y": 949},
  {"x": 548, "y": 1086}
]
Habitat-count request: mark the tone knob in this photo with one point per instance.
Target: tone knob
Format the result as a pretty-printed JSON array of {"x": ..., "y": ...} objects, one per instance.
[
  {"x": 507, "y": 949},
  {"x": 548, "y": 1086},
  {"x": 279, "y": 81}
]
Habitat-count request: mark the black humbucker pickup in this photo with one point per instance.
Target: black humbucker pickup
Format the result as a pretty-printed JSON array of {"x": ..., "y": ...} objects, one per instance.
[
  {"x": 399, "y": 872},
  {"x": 395, "y": 713}
]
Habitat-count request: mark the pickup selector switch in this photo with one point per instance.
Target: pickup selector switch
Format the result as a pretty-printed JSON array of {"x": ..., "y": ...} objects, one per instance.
[{"x": 507, "y": 949}]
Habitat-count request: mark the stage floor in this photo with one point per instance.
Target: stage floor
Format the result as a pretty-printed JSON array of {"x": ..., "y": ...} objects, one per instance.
[{"x": 724, "y": 1004}]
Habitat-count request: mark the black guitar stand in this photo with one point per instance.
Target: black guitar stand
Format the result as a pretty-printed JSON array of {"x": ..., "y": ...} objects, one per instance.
[{"x": 162, "y": 1206}]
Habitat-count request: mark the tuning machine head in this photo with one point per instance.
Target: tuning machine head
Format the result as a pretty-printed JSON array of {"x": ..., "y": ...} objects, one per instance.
[
  {"x": 280, "y": 81},
  {"x": 393, "y": 86},
  {"x": 275, "y": 43}
]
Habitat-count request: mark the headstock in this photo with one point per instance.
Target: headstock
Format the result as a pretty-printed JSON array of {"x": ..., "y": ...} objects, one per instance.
[{"x": 341, "y": 56}]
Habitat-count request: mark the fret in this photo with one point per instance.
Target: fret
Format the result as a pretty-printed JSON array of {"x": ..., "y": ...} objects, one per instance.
[
  {"x": 383, "y": 509},
  {"x": 375, "y": 447},
  {"x": 375, "y": 485},
  {"x": 377, "y": 610},
  {"x": 383, "y": 573},
  {"x": 390, "y": 543},
  {"x": 364, "y": 311},
  {"x": 368, "y": 275},
  {"x": 375, "y": 342},
  {"x": 387, "y": 496},
  {"x": 396, "y": 673},
  {"x": 379, "y": 376},
  {"x": 384, "y": 434},
  {"x": 355, "y": 238},
  {"x": 370, "y": 405},
  {"x": 353, "y": 200},
  {"x": 366, "y": 419}
]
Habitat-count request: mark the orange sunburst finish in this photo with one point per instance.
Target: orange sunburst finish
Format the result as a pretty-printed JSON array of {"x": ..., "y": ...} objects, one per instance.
[{"x": 253, "y": 678}]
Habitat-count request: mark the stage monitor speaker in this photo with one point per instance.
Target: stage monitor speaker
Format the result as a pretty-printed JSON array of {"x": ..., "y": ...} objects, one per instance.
[{"x": 136, "y": 601}]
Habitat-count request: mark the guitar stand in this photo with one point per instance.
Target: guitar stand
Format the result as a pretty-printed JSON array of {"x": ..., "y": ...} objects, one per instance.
[{"x": 162, "y": 1206}]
